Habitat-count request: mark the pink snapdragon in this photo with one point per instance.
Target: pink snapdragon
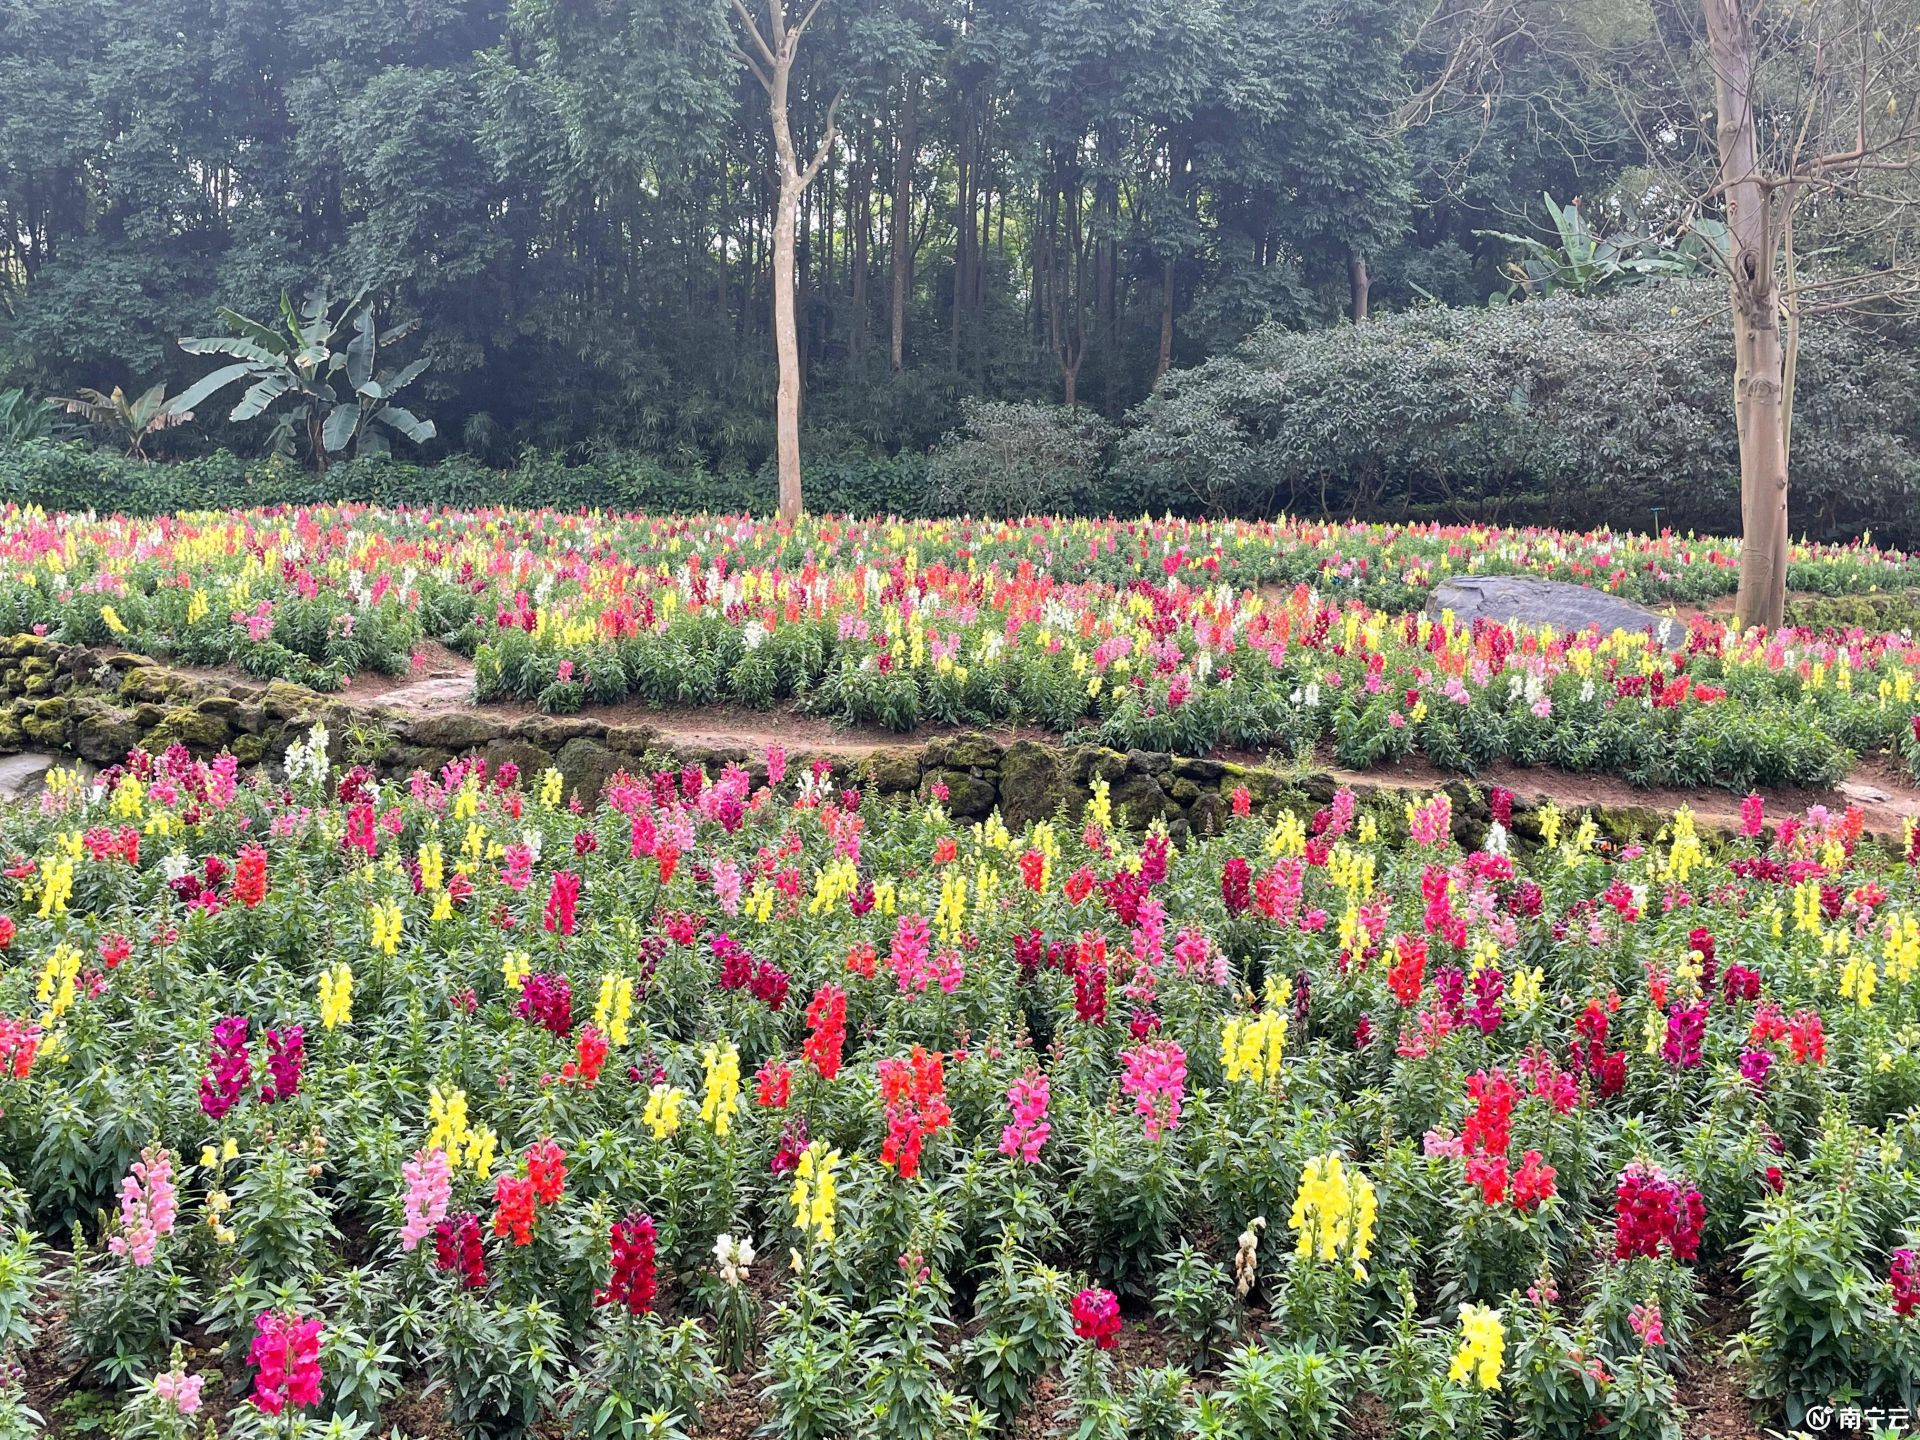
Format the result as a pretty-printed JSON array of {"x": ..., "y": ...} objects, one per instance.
[
  {"x": 1156, "y": 1077},
  {"x": 285, "y": 1354},
  {"x": 1028, "y": 1098},
  {"x": 429, "y": 1180},
  {"x": 149, "y": 1204}
]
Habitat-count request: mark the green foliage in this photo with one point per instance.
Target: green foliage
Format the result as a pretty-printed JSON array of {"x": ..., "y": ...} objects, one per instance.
[
  {"x": 1582, "y": 260},
  {"x": 132, "y": 419},
  {"x": 1571, "y": 409},
  {"x": 327, "y": 369}
]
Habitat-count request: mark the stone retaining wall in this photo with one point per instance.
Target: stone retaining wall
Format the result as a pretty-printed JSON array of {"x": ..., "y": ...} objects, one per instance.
[{"x": 101, "y": 704}]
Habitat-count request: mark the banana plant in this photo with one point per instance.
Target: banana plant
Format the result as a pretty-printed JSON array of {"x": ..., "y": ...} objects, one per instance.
[
  {"x": 24, "y": 418},
  {"x": 134, "y": 420},
  {"x": 318, "y": 374},
  {"x": 1584, "y": 260}
]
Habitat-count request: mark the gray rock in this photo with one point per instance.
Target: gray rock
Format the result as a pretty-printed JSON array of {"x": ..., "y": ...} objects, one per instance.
[
  {"x": 24, "y": 776},
  {"x": 1505, "y": 599}
]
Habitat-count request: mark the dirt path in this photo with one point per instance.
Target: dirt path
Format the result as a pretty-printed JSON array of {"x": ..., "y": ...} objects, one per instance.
[{"x": 1887, "y": 797}]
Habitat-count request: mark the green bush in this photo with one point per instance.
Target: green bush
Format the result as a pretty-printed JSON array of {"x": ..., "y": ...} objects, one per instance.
[
  {"x": 1009, "y": 459},
  {"x": 1570, "y": 411},
  {"x": 73, "y": 476}
]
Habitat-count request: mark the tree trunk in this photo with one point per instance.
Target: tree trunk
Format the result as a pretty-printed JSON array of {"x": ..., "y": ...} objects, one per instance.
[
  {"x": 786, "y": 343},
  {"x": 860, "y": 187},
  {"x": 902, "y": 218},
  {"x": 1358, "y": 284},
  {"x": 1165, "y": 357},
  {"x": 1759, "y": 394}
]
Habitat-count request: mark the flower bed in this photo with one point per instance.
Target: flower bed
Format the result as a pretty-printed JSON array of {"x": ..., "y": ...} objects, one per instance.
[
  {"x": 573, "y": 1111},
  {"x": 1162, "y": 637}
]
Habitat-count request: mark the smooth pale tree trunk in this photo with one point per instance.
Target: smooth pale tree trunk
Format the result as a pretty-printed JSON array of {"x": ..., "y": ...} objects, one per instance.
[
  {"x": 786, "y": 345},
  {"x": 770, "y": 55},
  {"x": 1759, "y": 391},
  {"x": 1359, "y": 283}
]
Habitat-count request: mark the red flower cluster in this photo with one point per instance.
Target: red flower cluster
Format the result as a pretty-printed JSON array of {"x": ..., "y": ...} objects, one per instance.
[
  {"x": 1090, "y": 980},
  {"x": 285, "y": 1355},
  {"x": 286, "y": 1058},
  {"x": 1096, "y": 1317},
  {"x": 741, "y": 970},
  {"x": 547, "y": 1171},
  {"x": 827, "y": 1023},
  {"x": 517, "y": 1199},
  {"x": 590, "y": 1058},
  {"x": 635, "y": 1277},
  {"x": 1489, "y": 1125},
  {"x": 457, "y": 1247},
  {"x": 230, "y": 1068},
  {"x": 547, "y": 1000},
  {"x": 773, "y": 1085},
  {"x": 1651, "y": 1210},
  {"x": 1905, "y": 1278},
  {"x": 1236, "y": 886},
  {"x": 1533, "y": 1182},
  {"x": 914, "y": 1094},
  {"x": 250, "y": 876},
  {"x": 1408, "y": 972},
  {"x": 562, "y": 897}
]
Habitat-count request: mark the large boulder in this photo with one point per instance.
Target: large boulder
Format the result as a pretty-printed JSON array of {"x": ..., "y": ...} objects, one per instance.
[{"x": 1507, "y": 599}]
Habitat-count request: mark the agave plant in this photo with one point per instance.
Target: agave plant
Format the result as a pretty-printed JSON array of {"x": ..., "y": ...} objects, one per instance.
[
  {"x": 1583, "y": 260},
  {"x": 326, "y": 368},
  {"x": 133, "y": 420}
]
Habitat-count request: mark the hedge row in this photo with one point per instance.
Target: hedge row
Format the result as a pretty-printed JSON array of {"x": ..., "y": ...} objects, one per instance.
[{"x": 71, "y": 476}]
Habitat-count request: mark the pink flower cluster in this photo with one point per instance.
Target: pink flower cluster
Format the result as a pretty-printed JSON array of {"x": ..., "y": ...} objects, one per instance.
[
  {"x": 1028, "y": 1098},
  {"x": 429, "y": 1187},
  {"x": 179, "y": 1390},
  {"x": 1155, "y": 1076},
  {"x": 285, "y": 1355},
  {"x": 149, "y": 1203}
]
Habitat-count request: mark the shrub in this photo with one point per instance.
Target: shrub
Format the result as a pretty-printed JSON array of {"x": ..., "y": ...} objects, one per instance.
[
  {"x": 1011, "y": 459},
  {"x": 1590, "y": 410}
]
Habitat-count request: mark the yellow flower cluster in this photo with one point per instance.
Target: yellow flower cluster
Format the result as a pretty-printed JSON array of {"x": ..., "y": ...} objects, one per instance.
[
  {"x": 58, "y": 888},
  {"x": 58, "y": 982},
  {"x": 1857, "y": 981},
  {"x": 662, "y": 1115},
  {"x": 836, "y": 881},
  {"x": 1333, "y": 1213},
  {"x": 1252, "y": 1046},
  {"x": 448, "y": 1130},
  {"x": 1901, "y": 949},
  {"x": 336, "y": 996},
  {"x": 815, "y": 1191},
  {"x": 383, "y": 926},
  {"x": 614, "y": 1008},
  {"x": 721, "y": 1095},
  {"x": 1483, "y": 1343}
]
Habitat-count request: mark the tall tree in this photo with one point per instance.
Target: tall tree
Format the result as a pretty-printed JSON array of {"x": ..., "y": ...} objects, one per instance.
[{"x": 769, "y": 53}]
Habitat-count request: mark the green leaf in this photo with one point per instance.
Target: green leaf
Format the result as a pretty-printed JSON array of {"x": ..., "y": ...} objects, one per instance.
[
  {"x": 407, "y": 423},
  {"x": 340, "y": 426},
  {"x": 205, "y": 386},
  {"x": 262, "y": 393}
]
